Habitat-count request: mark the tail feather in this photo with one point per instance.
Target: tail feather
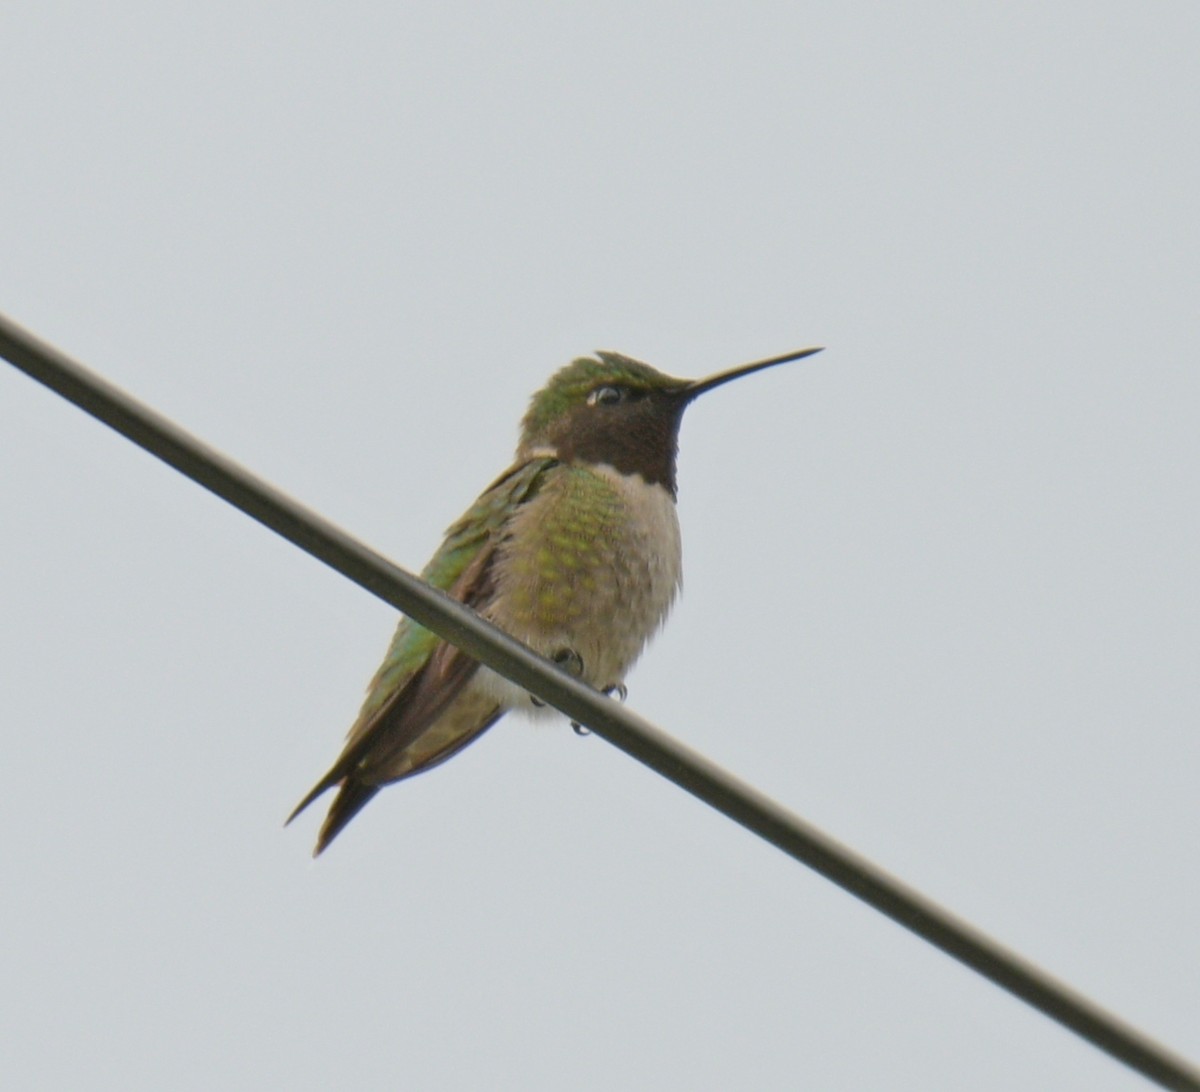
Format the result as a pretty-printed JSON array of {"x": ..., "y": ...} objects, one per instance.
[
  {"x": 352, "y": 797},
  {"x": 327, "y": 782}
]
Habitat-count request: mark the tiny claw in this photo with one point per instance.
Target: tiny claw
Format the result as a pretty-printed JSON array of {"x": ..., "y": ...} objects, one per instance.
[
  {"x": 617, "y": 690},
  {"x": 570, "y": 660}
]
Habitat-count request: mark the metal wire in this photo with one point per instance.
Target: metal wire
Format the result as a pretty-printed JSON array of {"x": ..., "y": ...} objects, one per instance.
[{"x": 608, "y": 719}]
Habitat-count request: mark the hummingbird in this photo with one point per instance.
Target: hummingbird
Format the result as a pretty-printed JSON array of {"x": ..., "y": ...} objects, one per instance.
[{"x": 574, "y": 550}]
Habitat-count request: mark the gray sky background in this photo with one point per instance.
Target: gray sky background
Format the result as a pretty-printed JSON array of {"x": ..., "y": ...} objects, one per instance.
[{"x": 941, "y": 594}]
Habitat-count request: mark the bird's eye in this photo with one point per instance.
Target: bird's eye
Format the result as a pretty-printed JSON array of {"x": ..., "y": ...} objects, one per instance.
[{"x": 605, "y": 396}]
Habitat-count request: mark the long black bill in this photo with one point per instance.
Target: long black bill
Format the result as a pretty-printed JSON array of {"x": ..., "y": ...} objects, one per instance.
[{"x": 693, "y": 390}]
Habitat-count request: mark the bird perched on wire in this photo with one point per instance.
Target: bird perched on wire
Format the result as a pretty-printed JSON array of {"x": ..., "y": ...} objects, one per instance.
[{"x": 573, "y": 550}]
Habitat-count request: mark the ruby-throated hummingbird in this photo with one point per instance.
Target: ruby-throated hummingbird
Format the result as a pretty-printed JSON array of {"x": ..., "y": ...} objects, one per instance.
[{"x": 573, "y": 550}]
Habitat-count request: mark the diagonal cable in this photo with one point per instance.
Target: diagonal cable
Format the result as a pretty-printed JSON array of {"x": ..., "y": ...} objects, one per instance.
[{"x": 634, "y": 735}]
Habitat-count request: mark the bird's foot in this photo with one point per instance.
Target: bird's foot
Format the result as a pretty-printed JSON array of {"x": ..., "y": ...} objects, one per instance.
[
  {"x": 618, "y": 690},
  {"x": 570, "y": 661}
]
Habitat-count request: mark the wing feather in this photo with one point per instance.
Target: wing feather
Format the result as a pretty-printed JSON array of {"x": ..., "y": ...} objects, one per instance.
[{"x": 422, "y": 675}]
